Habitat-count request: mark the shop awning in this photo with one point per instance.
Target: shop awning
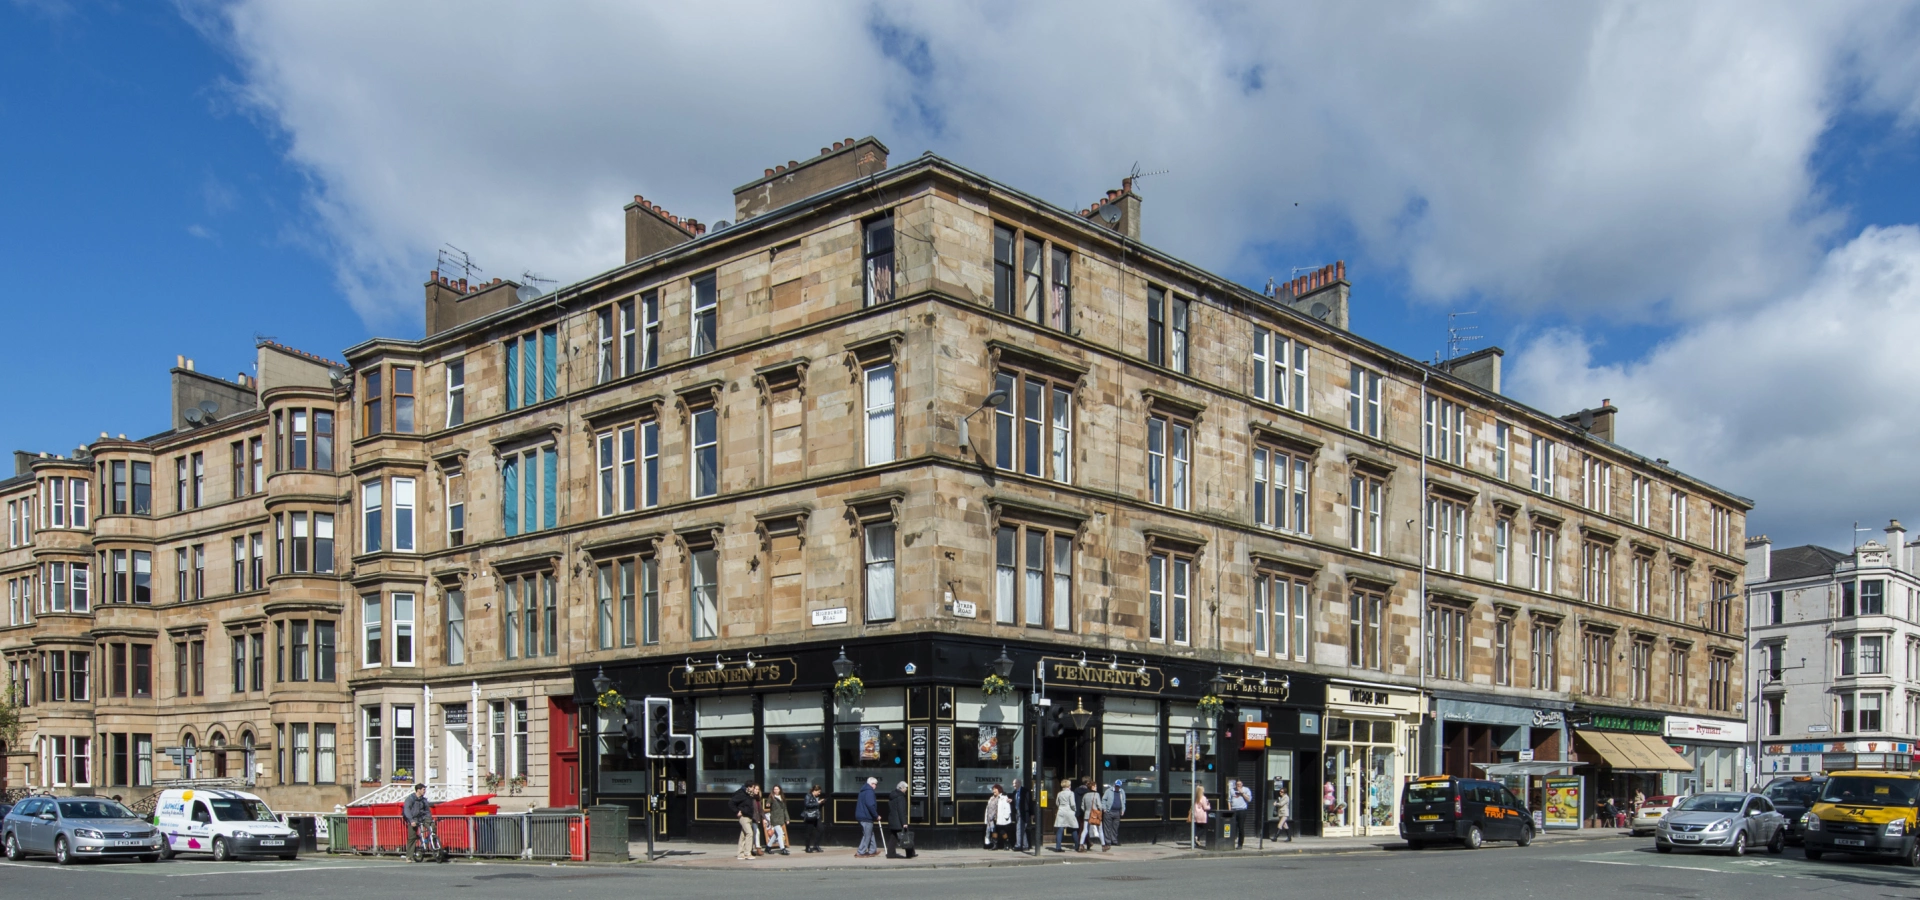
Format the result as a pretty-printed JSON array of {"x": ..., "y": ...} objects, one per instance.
[
  {"x": 1633, "y": 752},
  {"x": 1532, "y": 767}
]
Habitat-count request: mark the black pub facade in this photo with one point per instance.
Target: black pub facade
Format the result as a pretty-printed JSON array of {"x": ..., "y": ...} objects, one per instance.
[{"x": 923, "y": 718}]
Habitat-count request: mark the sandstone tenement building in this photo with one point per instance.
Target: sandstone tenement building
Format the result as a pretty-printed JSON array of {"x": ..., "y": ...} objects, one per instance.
[{"x": 899, "y": 418}]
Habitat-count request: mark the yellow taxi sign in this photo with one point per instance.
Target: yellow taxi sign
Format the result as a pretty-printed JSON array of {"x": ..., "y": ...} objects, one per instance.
[{"x": 1434, "y": 778}]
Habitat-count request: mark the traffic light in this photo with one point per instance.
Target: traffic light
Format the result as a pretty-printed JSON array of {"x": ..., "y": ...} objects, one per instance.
[
  {"x": 659, "y": 739},
  {"x": 635, "y": 729}
]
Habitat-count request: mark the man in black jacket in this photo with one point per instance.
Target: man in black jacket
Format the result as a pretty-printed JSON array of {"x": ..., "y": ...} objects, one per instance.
[
  {"x": 1022, "y": 799},
  {"x": 742, "y": 805},
  {"x": 897, "y": 820}
]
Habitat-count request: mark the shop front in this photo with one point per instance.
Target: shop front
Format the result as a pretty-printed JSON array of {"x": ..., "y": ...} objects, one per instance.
[
  {"x": 1370, "y": 739},
  {"x": 1520, "y": 746},
  {"x": 1717, "y": 749},
  {"x": 1626, "y": 754},
  {"x": 924, "y": 718},
  {"x": 1832, "y": 756}
]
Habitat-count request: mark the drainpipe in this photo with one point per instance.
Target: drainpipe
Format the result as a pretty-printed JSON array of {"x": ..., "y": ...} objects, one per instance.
[
  {"x": 423, "y": 725},
  {"x": 1420, "y": 535}
]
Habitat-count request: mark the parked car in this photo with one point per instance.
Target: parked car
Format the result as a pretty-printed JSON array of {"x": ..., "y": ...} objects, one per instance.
[
  {"x": 75, "y": 828},
  {"x": 225, "y": 824},
  {"x": 1867, "y": 814},
  {"x": 1647, "y": 819},
  {"x": 1729, "y": 821},
  {"x": 1443, "y": 809},
  {"x": 1793, "y": 795}
]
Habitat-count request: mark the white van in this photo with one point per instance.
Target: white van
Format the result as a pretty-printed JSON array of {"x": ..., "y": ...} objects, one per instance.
[{"x": 225, "y": 824}]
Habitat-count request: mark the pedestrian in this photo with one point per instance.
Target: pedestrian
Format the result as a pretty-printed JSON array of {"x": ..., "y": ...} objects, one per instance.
[
  {"x": 813, "y": 812},
  {"x": 743, "y": 810},
  {"x": 993, "y": 801},
  {"x": 999, "y": 819},
  {"x": 866, "y": 811},
  {"x": 759, "y": 820},
  {"x": 1116, "y": 803},
  {"x": 777, "y": 818},
  {"x": 1197, "y": 811},
  {"x": 1282, "y": 812},
  {"x": 1022, "y": 798},
  {"x": 1239, "y": 797},
  {"x": 1064, "y": 818},
  {"x": 1092, "y": 818},
  {"x": 897, "y": 823}
]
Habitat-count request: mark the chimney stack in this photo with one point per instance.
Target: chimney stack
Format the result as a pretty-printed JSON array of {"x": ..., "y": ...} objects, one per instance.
[
  {"x": 651, "y": 229},
  {"x": 845, "y": 161},
  {"x": 1118, "y": 210}
]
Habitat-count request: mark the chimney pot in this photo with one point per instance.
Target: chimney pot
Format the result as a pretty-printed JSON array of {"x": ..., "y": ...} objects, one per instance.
[
  {"x": 179, "y": 360},
  {"x": 433, "y": 275},
  {"x": 769, "y": 172},
  {"x": 849, "y": 142},
  {"x": 837, "y": 145},
  {"x": 123, "y": 437},
  {"x": 189, "y": 364},
  {"x": 1341, "y": 268},
  {"x": 824, "y": 151},
  {"x": 793, "y": 163}
]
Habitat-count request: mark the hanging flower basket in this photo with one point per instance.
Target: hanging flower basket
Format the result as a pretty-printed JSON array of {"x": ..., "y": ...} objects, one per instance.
[
  {"x": 1212, "y": 705},
  {"x": 849, "y": 689},
  {"x": 995, "y": 686},
  {"x": 610, "y": 700}
]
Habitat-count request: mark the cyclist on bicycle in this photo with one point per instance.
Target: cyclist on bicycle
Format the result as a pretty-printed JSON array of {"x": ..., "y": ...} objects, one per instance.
[{"x": 417, "y": 812}]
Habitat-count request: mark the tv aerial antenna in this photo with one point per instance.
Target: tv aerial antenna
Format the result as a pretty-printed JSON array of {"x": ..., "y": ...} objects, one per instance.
[
  {"x": 1135, "y": 175},
  {"x": 529, "y": 277},
  {"x": 1458, "y": 335},
  {"x": 451, "y": 258}
]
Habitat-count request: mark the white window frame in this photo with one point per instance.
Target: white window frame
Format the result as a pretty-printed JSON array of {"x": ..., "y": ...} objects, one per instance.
[
  {"x": 1540, "y": 466},
  {"x": 880, "y": 388},
  {"x": 372, "y": 512},
  {"x": 404, "y": 498},
  {"x": 372, "y": 619},
  {"x": 1366, "y": 497},
  {"x": 698, "y": 447},
  {"x": 1542, "y": 548},
  {"x": 456, "y": 391},
  {"x": 1503, "y": 550},
  {"x": 1363, "y": 400},
  {"x": 1677, "y": 514},
  {"x": 880, "y": 585},
  {"x": 1445, "y": 431},
  {"x": 403, "y": 628},
  {"x": 699, "y": 308},
  {"x": 1446, "y": 535}
]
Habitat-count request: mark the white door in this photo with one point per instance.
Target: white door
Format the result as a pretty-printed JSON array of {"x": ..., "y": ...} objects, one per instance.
[{"x": 458, "y": 760}]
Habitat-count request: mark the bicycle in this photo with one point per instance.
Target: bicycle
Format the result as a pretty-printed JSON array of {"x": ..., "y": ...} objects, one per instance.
[{"x": 426, "y": 844}]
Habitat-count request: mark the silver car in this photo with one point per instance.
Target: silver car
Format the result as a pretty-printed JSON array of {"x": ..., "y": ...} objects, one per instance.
[
  {"x": 75, "y": 828},
  {"x": 1733, "y": 822}
]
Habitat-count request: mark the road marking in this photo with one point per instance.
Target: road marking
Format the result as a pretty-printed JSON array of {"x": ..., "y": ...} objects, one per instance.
[
  {"x": 1615, "y": 862},
  {"x": 254, "y": 870}
]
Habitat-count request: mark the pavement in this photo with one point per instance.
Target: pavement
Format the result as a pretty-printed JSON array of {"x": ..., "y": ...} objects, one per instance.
[
  {"x": 1555, "y": 867},
  {"x": 719, "y": 855}
]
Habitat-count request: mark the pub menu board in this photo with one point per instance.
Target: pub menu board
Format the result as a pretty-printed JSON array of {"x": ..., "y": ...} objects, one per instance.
[
  {"x": 1563, "y": 801},
  {"x": 917, "y": 781}
]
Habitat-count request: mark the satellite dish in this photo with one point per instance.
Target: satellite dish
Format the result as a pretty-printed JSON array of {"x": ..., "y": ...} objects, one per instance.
[
  {"x": 1111, "y": 213},
  {"x": 194, "y": 415},
  {"x": 1320, "y": 311},
  {"x": 337, "y": 376},
  {"x": 209, "y": 407}
]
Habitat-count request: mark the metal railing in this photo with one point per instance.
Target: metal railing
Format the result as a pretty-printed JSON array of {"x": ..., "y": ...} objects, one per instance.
[
  {"x": 514, "y": 835},
  {"x": 400, "y": 791}
]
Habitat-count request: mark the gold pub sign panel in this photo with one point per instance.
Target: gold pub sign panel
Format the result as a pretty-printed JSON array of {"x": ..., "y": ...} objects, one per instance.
[
  {"x": 777, "y": 672},
  {"x": 1117, "y": 679}
]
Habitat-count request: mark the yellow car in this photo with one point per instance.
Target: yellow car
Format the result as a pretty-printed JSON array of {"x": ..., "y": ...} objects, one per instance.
[{"x": 1867, "y": 814}]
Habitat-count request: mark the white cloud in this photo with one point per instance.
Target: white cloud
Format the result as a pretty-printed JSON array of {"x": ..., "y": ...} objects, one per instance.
[
  {"x": 1630, "y": 158},
  {"x": 1804, "y": 401}
]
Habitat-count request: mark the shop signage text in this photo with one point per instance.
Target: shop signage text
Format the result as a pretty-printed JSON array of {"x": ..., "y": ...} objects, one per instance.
[
  {"x": 1635, "y": 724},
  {"x": 1275, "y": 689},
  {"x": 1122, "y": 679},
  {"x": 965, "y": 609},
  {"x": 943, "y": 760},
  {"x": 1706, "y": 729},
  {"x": 1375, "y": 698},
  {"x": 917, "y": 750},
  {"x": 764, "y": 673},
  {"x": 1548, "y": 718},
  {"x": 1842, "y": 747}
]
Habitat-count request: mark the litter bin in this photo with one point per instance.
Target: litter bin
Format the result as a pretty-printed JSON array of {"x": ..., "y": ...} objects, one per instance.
[
  {"x": 304, "y": 827},
  {"x": 337, "y": 834},
  {"x": 1220, "y": 832},
  {"x": 607, "y": 833}
]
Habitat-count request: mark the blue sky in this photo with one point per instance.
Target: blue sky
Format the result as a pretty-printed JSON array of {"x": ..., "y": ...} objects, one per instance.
[{"x": 1651, "y": 205}]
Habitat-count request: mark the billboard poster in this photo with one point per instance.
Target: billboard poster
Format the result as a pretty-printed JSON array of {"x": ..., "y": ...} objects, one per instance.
[
  {"x": 989, "y": 743},
  {"x": 869, "y": 743},
  {"x": 1563, "y": 801}
]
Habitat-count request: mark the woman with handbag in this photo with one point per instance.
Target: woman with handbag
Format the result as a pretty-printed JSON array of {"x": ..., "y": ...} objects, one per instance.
[
  {"x": 777, "y": 818},
  {"x": 999, "y": 818},
  {"x": 813, "y": 812},
  {"x": 1093, "y": 813},
  {"x": 1197, "y": 811}
]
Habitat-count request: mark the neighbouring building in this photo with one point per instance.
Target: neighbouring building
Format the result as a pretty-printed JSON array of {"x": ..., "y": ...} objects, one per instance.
[
  {"x": 1835, "y": 643},
  {"x": 906, "y": 421}
]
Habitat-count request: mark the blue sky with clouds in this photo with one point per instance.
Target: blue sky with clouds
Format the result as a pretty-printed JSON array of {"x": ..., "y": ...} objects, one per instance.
[{"x": 1703, "y": 212}]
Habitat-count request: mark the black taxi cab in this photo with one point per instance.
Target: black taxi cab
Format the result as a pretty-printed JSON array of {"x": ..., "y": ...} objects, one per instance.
[
  {"x": 1438, "y": 809},
  {"x": 1865, "y": 813}
]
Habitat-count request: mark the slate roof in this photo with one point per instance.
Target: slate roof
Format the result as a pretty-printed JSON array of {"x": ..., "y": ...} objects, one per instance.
[{"x": 1807, "y": 561}]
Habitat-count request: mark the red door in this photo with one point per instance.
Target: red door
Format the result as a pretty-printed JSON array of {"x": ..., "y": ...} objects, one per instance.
[{"x": 563, "y": 755}]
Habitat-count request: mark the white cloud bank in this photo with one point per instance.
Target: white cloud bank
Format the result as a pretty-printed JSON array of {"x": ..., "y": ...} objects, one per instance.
[
  {"x": 1805, "y": 403},
  {"x": 1641, "y": 161}
]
